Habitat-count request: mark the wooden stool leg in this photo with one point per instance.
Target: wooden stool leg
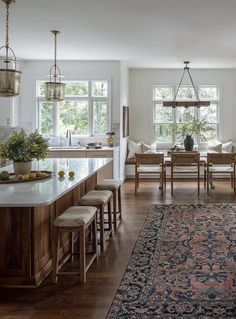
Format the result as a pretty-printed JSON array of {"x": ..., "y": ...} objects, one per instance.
[
  {"x": 204, "y": 178},
  {"x": 109, "y": 216},
  {"x": 71, "y": 247},
  {"x": 119, "y": 201},
  {"x": 82, "y": 255},
  {"x": 55, "y": 256},
  {"x": 101, "y": 224},
  {"x": 198, "y": 180},
  {"x": 208, "y": 177},
  {"x": 136, "y": 182},
  {"x": 114, "y": 209},
  {"x": 162, "y": 182},
  {"x": 171, "y": 180},
  {"x": 94, "y": 231}
]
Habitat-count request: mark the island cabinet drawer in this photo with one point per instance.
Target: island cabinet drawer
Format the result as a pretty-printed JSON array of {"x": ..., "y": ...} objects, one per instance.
[
  {"x": 108, "y": 154},
  {"x": 73, "y": 154}
]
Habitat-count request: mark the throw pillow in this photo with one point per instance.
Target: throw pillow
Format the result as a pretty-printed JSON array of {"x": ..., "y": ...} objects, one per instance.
[
  {"x": 216, "y": 146},
  {"x": 145, "y": 147},
  {"x": 150, "y": 152},
  {"x": 134, "y": 148},
  {"x": 227, "y": 147}
]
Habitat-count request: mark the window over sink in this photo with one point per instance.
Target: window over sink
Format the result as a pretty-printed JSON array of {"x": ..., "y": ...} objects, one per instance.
[{"x": 85, "y": 111}]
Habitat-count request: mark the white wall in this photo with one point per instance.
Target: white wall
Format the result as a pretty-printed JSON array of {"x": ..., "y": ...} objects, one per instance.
[
  {"x": 141, "y": 81},
  {"x": 72, "y": 70},
  {"x": 124, "y": 101}
]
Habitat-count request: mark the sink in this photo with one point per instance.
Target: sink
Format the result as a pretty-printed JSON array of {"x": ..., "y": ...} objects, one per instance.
[{"x": 69, "y": 147}]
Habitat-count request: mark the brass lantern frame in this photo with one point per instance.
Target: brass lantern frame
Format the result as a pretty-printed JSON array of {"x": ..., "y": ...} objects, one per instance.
[
  {"x": 55, "y": 90},
  {"x": 10, "y": 78}
]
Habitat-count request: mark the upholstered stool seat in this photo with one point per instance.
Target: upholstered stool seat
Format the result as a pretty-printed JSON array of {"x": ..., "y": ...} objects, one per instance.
[
  {"x": 75, "y": 216},
  {"x": 76, "y": 219},
  {"x": 99, "y": 199},
  {"x": 113, "y": 185}
]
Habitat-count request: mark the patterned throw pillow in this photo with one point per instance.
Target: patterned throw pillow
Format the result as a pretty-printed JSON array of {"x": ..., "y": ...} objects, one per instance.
[
  {"x": 145, "y": 147},
  {"x": 215, "y": 146}
]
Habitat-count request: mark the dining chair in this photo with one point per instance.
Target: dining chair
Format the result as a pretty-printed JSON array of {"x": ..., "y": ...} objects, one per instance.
[
  {"x": 219, "y": 163},
  {"x": 184, "y": 163},
  {"x": 149, "y": 164}
]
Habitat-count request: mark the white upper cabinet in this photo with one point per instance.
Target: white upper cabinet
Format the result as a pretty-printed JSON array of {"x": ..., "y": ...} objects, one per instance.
[{"x": 9, "y": 111}]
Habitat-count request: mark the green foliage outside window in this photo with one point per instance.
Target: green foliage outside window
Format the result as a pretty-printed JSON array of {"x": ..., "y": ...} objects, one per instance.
[
  {"x": 74, "y": 117},
  {"x": 46, "y": 117},
  {"x": 82, "y": 112},
  {"x": 77, "y": 89},
  {"x": 100, "y": 117}
]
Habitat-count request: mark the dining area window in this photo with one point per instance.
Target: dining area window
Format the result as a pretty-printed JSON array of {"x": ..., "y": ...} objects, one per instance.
[{"x": 165, "y": 119}]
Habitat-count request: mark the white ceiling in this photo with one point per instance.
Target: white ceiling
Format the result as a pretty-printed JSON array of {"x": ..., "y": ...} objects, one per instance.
[{"x": 145, "y": 33}]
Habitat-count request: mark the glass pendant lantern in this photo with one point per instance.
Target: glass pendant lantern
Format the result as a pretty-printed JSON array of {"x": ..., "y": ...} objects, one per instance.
[
  {"x": 55, "y": 89},
  {"x": 10, "y": 78}
]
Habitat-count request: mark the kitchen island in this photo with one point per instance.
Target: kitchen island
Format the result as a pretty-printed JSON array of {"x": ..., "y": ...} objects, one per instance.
[{"x": 27, "y": 212}]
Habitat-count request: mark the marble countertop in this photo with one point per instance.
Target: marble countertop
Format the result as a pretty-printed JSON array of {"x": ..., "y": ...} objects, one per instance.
[
  {"x": 44, "y": 192},
  {"x": 80, "y": 148}
]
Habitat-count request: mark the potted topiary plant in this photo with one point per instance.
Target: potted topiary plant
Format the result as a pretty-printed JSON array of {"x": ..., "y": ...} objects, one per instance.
[{"x": 22, "y": 148}]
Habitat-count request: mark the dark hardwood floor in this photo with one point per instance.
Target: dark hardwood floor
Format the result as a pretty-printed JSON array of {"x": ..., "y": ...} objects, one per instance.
[{"x": 69, "y": 299}]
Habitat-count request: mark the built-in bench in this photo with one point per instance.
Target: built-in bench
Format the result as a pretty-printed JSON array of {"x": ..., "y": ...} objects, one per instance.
[{"x": 130, "y": 161}]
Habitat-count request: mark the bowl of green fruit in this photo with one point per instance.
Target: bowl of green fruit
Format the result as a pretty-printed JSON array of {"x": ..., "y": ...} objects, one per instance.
[{"x": 4, "y": 175}]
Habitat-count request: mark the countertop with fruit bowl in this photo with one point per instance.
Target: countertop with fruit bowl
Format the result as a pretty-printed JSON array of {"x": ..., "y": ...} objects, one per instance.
[{"x": 45, "y": 191}]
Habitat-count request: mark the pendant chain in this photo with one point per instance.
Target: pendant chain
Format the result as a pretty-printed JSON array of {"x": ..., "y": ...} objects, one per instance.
[{"x": 7, "y": 25}]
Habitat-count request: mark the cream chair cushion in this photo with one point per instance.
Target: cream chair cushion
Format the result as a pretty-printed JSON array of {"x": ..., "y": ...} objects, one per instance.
[
  {"x": 149, "y": 169},
  {"x": 221, "y": 169},
  {"x": 185, "y": 169}
]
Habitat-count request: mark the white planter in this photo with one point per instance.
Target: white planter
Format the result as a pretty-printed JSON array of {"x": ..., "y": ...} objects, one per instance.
[{"x": 22, "y": 167}]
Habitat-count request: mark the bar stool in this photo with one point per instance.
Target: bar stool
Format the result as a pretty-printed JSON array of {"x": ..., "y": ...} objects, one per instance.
[
  {"x": 113, "y": 185},
  {"x": 99, "y": 199},
  {"x": 76, "y": 219}
]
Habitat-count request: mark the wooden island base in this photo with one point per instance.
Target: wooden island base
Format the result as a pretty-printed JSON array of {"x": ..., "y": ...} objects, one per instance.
[{"x": 26, "y": 242}]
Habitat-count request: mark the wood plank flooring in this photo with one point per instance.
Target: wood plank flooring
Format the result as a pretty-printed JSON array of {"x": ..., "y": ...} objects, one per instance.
[{"x": 69, "y": 299}]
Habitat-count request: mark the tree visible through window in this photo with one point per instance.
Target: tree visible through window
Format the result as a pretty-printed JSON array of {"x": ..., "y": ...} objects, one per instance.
[
  {"x": 165, "y": 118},
  {"x": 85, "y": 110}
]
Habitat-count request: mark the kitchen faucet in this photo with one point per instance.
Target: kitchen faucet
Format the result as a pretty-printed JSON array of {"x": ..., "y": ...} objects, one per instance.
[{"x": 68, "y": 135}]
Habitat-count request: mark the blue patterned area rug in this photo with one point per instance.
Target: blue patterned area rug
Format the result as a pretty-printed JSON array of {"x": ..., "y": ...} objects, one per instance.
[{"x": 183, "y": 265}]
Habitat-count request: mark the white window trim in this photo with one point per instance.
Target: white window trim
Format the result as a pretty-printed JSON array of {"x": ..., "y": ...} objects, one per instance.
[
  {"x": 88, "y": 98},
  {"x": 196, "y": 111}
]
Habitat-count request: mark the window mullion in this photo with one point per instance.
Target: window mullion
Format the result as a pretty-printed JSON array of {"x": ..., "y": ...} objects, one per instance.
[{"x": 56, "y": 119}]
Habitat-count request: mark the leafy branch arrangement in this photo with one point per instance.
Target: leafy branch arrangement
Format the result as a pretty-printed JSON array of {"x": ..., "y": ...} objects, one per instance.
[
  {"x": 23, "y": 147},
  {"x": 197, "y": 127}
]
